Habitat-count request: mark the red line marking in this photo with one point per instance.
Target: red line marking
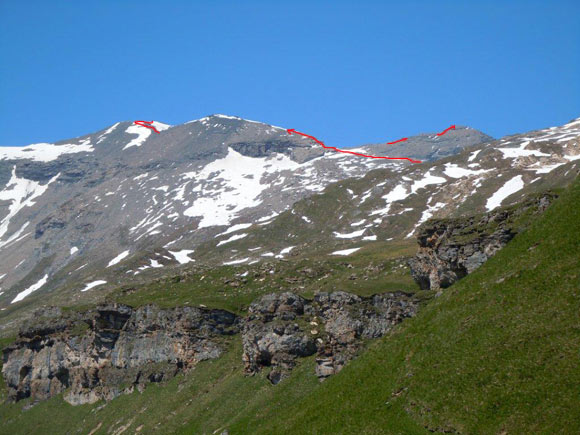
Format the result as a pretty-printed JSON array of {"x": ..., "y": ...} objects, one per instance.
[
  {"x": 400, "y": 140},
  {"x": 446, "y": 130},
  {"x": 291, "y": 130},
  {"x": 141, "y": 123}
]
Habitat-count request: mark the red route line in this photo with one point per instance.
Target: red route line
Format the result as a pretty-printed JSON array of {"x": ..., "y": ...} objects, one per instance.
[
  {"x": 291, "y": 130},
  {"x": 446, "y": 130},
  {"x": 148, "y": 126}
]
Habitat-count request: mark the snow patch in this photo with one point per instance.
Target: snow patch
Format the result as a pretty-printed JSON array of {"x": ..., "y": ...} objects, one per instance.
[
  {"x": 240, "y": 186},
  {"x": 350, "y": 235},
  {"x": 231, "y": 239},
  {"x": 243, "y": 260},
  {"x": 44, "y": 152},
  {"x": 30, "y": 289},
  {"x": 345, "y": 251},
  {"x": 182, "y": 257},
  {"x": 93, "y": 284},
  {"x": 118, "y": 258},
  {"x": 509, "y": 188},
  {"x": 234, "y": 228}
]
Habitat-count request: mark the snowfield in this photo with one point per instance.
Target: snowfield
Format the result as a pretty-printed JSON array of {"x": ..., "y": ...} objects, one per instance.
[{"x": 509, "y": 188}]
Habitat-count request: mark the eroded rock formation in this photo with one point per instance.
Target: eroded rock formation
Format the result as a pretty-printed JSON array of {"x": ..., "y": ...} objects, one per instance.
[
  {"x": 450, "y": 249},
  {"x": 284, "y": 327},
  {"x": 110, "y": 350},
  {"x": 115, "y": 349}
]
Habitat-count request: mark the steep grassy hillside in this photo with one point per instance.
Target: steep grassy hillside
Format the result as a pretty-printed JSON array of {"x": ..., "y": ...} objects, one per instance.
[{"x": 496, "y": 353}]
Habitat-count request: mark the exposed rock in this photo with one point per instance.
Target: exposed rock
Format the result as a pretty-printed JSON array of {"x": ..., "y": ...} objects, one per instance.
[
  {"x": 278, "y": 330},
  {"x": 121, "y": 348},
  {"x": 450, "y": 249},
  {"x": 115, "y": 349}
]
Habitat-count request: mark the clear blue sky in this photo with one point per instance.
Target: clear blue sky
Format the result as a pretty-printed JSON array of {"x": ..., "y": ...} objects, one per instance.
[{"x": 347, "y": 72}]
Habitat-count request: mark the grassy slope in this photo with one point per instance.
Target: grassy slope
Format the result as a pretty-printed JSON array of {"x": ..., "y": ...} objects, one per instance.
[
  {"x": 496, "y": 352},
  {"x": 390, "y": 273}
]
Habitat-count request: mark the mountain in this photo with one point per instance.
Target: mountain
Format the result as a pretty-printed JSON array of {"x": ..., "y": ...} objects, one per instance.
[
  {"x": 83, "y": 205},
  {"x": 494, "y": 353},
  {"x": 390, "y": 204},
  {"x": 397, "y": 297},
  {"x": 430, "y": 147}
]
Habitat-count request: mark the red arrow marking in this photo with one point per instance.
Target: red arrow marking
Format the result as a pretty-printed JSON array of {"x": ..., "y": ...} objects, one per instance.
[
  {"x": 291, "y": 130},
  {"x": 142, "y": 124},
  {"x": 400, "y": 140},
  {"x": 446, "y": 130}
]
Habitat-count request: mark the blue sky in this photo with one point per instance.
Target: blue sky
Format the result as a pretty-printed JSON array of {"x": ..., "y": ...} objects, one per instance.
[{"x": 346, "y": 72}]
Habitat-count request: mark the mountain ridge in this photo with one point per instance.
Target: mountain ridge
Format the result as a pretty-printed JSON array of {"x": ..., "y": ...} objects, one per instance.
[{"x": 225, "y": 190}]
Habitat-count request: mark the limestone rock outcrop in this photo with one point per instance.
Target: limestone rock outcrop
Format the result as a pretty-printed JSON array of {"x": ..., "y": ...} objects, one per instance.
[
  {"x": 283, "y": 327},
  {"x": 115, "y": 349},
  {"x": 450, "y": 249},
  {"x": 110, "y": 350}
]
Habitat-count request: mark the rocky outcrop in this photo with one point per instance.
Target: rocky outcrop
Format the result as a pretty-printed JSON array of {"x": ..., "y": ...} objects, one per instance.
[
  {"x": 115, "y": 349},
  {"x": 450, "y": 249},
  {"x": 111, "y": 350},
  {"x": 284, "y": 327}
]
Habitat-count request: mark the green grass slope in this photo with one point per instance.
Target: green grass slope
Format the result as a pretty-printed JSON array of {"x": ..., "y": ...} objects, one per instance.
[{"x": 496, "y": 353}]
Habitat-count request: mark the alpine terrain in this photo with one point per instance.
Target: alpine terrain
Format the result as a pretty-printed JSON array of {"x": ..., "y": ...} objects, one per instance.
[{"x": 227, "y": 276}]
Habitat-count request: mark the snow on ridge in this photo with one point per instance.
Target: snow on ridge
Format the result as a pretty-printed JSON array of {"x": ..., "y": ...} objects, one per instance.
[
  {"x": 44, "y": 152},
  {"x": 221, "y": 115},
  {"x": 30, "y": 289},
  {"x": 143, "y": 133},
  {"x": 118, "y": 258},
  {"x": 509, "y": 188},
  {"x": 107, "y": 132}
]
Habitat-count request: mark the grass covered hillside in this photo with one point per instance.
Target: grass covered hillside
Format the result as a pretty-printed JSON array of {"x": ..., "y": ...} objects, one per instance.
[{"x": 497, "y": 352}]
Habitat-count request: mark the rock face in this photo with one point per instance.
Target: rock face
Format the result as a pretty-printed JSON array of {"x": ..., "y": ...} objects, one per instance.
[
  {"x": 450, "y": 249},
  {"x": 113, "y": 349},
  {"x": 283, "y": 327},
  {"x": 102, "y": 353}
]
